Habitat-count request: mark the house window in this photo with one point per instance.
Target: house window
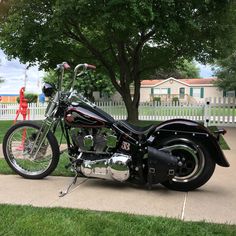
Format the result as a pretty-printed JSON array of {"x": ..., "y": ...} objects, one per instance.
[
  {"x": 230, "y": 94},
  {"x": 197, "y": 92},
  {"x": 161, "y": 91},
  {"x": 181, "y": 92}
]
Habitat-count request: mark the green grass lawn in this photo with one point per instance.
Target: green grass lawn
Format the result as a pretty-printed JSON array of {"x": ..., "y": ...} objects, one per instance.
[
  {"x": 59, "y": 171},
  {"x": 4, "y": 126},
  {"x": 28, "y": 220}
]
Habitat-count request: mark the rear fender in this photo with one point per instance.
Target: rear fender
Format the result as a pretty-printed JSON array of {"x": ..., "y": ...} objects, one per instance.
[{"x": 193, "y": 129}]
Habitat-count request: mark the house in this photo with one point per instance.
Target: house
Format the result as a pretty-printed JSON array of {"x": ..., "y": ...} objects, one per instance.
[{"x": 186, "y": 90}]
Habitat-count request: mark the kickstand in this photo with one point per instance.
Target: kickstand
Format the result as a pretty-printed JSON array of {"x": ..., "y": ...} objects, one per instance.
[{"x": 63, "y": 193}]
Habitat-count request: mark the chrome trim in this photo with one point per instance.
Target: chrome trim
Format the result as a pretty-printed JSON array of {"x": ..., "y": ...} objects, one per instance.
[
  {"x": 41, "y": 136},
  {"x": 114, "y": 168},
  {"x": 52, "y": 106},
  {"x": 18, "y": 157},
  {"x": 118, "y": 166},
  {"x": 196, "y": 154}
]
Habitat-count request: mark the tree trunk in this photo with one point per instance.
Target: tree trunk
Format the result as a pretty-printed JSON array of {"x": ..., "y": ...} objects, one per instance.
[
  {"x": 131, "y": 108},
  {"x": 132, "y": 113}
]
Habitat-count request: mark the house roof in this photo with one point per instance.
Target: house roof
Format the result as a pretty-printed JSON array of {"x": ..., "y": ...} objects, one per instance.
[
  {"x": 193, "y": 81},
  {"x": 200, "y": 81}
]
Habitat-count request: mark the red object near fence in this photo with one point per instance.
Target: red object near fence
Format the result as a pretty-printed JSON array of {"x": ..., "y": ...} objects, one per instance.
[
  {"x": 23, "y": 106},
  {"x": 24, "y": 111}
]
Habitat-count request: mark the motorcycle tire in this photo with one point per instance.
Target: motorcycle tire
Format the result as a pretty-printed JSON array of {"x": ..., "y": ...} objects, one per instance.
[
  {"x": 197, "y": 164},
  {"x": 16, "y": 149}
]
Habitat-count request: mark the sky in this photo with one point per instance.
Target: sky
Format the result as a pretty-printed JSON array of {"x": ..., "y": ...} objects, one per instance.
[
  {"x": 13, "y": 72},
  {"x": 205, "y": 70}
]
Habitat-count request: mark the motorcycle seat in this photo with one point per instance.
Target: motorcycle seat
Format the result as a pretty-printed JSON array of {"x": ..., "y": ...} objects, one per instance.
[{"x": 137, "y": 129}]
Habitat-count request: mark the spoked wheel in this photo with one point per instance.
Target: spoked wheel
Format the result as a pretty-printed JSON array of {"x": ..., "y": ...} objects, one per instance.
[
  {"x": 19, "y": 151},
  {"x": 195, "y": 166}
]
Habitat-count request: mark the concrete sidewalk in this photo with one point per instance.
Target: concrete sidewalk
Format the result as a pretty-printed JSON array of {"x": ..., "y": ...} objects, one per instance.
[{"x": 214, "y": 202}]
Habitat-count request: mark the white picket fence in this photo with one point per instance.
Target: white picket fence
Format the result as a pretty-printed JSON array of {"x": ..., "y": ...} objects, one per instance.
[
  {"x": 36, "y": 111},
  {"x": 214, "y": 111},
  {"x": 220, "y": 111}
]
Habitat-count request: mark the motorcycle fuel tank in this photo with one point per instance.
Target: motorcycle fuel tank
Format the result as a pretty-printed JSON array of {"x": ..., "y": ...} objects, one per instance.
[{"x": 78, "y": 116}]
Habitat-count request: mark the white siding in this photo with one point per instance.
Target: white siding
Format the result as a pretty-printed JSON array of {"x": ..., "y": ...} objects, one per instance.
[
  {"x": 213, "y": 92},
  {"x": 174, "y": 86},
  {"x": 145, "y": 94}
]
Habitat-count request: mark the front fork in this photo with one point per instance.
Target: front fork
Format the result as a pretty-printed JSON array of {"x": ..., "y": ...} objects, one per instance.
[{"x": 42, "y": 134}]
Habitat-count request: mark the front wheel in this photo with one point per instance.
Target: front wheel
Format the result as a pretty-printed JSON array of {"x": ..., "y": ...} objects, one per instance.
[
  {"x": 18, "y": 146},
  {"x": 196, "y": 166}
]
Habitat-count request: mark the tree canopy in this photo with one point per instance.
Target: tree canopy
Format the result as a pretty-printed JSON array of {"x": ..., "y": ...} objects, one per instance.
[
  {"x": 182, "y": 70},
  {"x": 128, "y": 40},
  {"x": 90, "y": 83},
  {"x": 226, "y": 73}
]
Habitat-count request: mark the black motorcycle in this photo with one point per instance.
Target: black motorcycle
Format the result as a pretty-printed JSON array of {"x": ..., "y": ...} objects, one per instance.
[{"x": 180, "y": 154}]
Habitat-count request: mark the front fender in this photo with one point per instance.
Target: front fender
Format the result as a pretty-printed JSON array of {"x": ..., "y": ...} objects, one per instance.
[{"x": 191, "y": 128}]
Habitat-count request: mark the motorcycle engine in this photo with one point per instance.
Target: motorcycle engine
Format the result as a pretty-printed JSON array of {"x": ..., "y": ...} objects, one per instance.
[
  {"x": 114, "y": 168},
  {"x": 94, "y": 139}
]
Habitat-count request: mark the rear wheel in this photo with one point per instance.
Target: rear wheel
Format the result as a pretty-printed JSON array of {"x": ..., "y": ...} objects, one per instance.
[
  {"x": 17, "y": 148},
  {"x": 195, "y": 167}
]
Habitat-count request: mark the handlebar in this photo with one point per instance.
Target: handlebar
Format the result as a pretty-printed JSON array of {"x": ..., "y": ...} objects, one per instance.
[
  {"x": 81, "y": 68},
  {"x": 62, "y": 66},
  {"x": 65, "y": 66},
  {"x": 91, "y": 67},
  {"x": 84, "y": 67}
]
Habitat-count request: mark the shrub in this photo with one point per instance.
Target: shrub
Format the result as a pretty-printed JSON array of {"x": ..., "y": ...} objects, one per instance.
[
  {"x": 175, "y": 100},
  {"x": 157, "y": 100},
  {"x": 31, "y": 97}
]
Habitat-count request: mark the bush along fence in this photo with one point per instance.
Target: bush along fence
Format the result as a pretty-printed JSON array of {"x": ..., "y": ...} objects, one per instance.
[{"x": 213, "y": 111}]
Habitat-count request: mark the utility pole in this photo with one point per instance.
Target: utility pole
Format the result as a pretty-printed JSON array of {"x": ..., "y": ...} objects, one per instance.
[
  {"x": 25, "y": 77},
  {"x": 1, "y": 80}
]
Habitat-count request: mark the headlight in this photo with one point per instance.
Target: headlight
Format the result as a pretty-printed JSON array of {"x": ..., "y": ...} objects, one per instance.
[{"x": 48, "y": 89}]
